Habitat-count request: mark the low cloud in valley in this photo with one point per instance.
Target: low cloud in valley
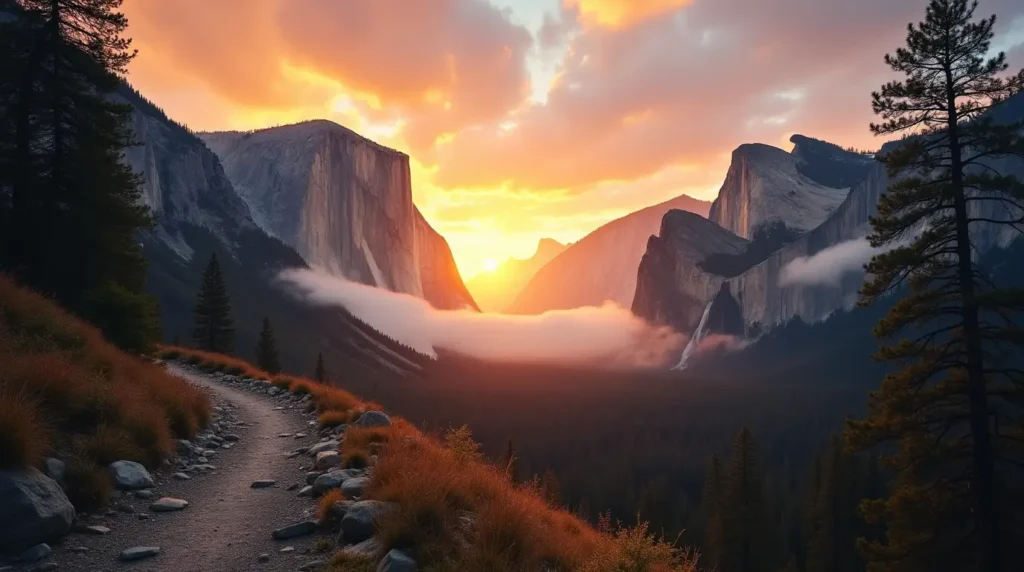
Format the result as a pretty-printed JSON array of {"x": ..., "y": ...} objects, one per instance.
[
  {"x": 606, "y": 335},
  {"x": 828, "y": 267}
]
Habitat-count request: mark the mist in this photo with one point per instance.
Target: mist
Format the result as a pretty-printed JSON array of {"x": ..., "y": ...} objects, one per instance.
[
  {"x": 828, "y": 267},
  {"x": 609, "y": 335}
]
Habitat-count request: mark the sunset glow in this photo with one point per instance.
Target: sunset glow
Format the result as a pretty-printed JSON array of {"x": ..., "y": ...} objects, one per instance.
[{"x": 532, "y": 118}]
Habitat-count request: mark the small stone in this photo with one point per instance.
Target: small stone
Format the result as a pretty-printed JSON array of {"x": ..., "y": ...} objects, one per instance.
[
  {"x": 95, "y": 530},
  {"x": 307, "y": 491},
  {"x": 327, "y": 460},
  {"x": 312, "y": 565},
  {"x": 144, "y": 495},
  {"x": 263, "y": 483},
  {"x": 78, "y": 549},
  {"x": 353, "y": 488},
  {"x": 37, "y": 552},
  {"x": 292, "y": 487},
  {"x": 285, "y": 435},
  {"x": 397, "y": 561},
  {"x": 209, "y": 453},
  {"x": 329, "y": 445},
  {"x": 312, "y": 476},
  {"x": 44, "y": 567},
  {"x": 230, "y": 437},
  {"x": 142, "y": 516},
  {"x": 227, "y": 445},
  {"x": 203, "y": 460},
  {"x": 287, "y": 550},
  {"x": 125, "y": 508},
  {"x": 180, "y": 476},
  {"x": 300, "y": 435},
  {"x": 293, "y": 530},
  {"x": 129, "y": 476},
  {"x": 168, "y": 504},
  {"x": 139, "y": 552},
  {"x": 263, "y": 557}
]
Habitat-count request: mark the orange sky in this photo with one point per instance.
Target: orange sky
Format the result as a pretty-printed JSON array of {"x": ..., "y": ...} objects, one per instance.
[{"x": 534, "y": 118}]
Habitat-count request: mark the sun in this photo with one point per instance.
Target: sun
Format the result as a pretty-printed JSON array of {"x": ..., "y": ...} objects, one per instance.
[{"x": 490, "y": 265}]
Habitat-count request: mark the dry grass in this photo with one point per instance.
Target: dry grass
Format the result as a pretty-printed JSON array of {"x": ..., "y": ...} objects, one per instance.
[
  {"x": 458, "y": 513},
  {"x": 209, "y": 361},
  {"x": 325, "y": 506},
  {"x": 99, "y": 404}
]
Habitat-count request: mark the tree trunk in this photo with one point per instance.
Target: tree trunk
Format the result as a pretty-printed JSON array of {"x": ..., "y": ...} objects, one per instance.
[{"x": 983, "y": 492}]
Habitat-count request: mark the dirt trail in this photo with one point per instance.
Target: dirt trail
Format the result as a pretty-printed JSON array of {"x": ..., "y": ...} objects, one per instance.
[{"x": 227, "y": 524}]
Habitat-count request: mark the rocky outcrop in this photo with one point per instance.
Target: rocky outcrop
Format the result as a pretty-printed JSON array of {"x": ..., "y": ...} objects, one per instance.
[
  {"x": 35, "y": 509},
  {"x": 764, "y": 189},
  {"x": 344, "y": 203},
  {"x": 601, "y": 266},
  {"x": 495, "y": 290}
]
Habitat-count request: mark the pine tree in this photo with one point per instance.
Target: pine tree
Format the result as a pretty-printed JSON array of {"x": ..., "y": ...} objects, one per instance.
[
  {"x": 213, "y": 326},
  {"x": 953, "y": 506},
  {"x": 70, "y": 208},
  {"x": 266, "y": 349},
  {"x": 711, "y": 512},
  {"x": 550, "y": 489},
  {"x": 832, "y": 543},
  {"x": 747, "y": 540},
  {"x": 320, "y": 373},
  {"x": 509, "y": 463}
]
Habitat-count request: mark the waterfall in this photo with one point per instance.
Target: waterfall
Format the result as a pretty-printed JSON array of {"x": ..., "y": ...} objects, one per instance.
[{"x": 691, "y": 346}]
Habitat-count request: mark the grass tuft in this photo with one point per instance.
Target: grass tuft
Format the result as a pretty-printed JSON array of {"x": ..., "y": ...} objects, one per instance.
[
  {"x": 24, "y": 438},
  {"x": 325, "y": 506}
]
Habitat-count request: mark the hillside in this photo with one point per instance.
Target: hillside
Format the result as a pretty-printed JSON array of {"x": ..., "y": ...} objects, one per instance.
[{"x": 495, "y": 289}]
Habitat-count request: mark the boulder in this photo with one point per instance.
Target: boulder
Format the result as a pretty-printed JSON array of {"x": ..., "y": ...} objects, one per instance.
[
  {"x": 293, "y": 530},
  {"x": 373, "y": 419},
  {"x": 37, "y": 552},
  {"x": 54, "y": 468},
  {"x": 397, "y": 561},
  {"x": 306, "y": 491},
  {"x": 326, "y": 460},
  {"x": 130, "y": 476},
  {"x": 359, "y": 522},
  {"x": 340, "y": 508},
  {"x": 35, "y": 509},
  {"x": 334, "y": 479},
  {"x": 368, "y": 548},
  {"x": 353, "y": 488}
]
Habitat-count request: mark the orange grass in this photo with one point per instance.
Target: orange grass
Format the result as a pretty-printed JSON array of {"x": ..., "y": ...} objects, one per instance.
[
  {"x": 82, "y": 395},
  {"x": 456, "y": 512},
  {"x": 325, "y": 506}
]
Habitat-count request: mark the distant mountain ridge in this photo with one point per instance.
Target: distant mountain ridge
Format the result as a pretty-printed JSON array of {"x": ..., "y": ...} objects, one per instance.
[
  {"x": 601, "y": 266},
  {"x": 495, "y": 290},
  {"x": 344, "y": 203}
]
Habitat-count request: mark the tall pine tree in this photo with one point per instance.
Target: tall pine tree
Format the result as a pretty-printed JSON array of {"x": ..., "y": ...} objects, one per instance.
[
  {"x": 834, "y": 525},
  {"x": 320, "y": 373},
  {"x": 711, "y": 512},
  {"x": 213, "y": 326},
  {"x": 266, "y": 349},
  {"x": 748, "y": 541},
  {"x": 69, "y": 204},
  {"x": 955, "y": 407}
]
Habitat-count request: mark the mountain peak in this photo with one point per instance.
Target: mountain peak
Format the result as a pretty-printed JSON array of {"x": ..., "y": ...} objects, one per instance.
[{"x": 548, "y": 248}]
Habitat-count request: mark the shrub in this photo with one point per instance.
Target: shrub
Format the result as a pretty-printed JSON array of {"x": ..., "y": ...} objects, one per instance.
[
  {"x": 460, "y": 442},
  {"x": 24, "y": 438},
  {"x": 325, "y": 506},
  {"x": 87, "y": 485},
  {"x": 333, "y": 418}
]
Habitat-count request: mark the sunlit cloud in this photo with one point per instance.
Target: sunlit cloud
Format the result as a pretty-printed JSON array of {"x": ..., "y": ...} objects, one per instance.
[{"x": 620, "y": 13}]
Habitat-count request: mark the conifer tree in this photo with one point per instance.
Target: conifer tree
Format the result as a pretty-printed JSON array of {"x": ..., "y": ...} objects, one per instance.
[
  {"x": 832, "y": 543},
  {"x": 320, "y": 373},
  {"x": 711, "y": 511},
  {"x": 550, "y": 489},
  {"x": 748, "y": 543},
  {"x": 266, "y": 349},
  {"x": 954, "y": 505},
  {"x": 70, "y": 208},
  {"x": 509, "y": 463},
  {"x": 213, "y": 326}
]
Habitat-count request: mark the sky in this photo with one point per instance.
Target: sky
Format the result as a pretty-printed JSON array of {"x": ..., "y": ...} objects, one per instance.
[{"x": 526, "y": 119}]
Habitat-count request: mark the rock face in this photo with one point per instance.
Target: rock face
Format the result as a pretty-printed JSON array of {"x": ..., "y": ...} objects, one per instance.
[
  {"x": 602, "y": 265},
  {"x": 764, "y": 190},
  {"x": 35, "y": 509},
  {"x": 495, "y": 290},
  {"x": 344, "y": 203}
]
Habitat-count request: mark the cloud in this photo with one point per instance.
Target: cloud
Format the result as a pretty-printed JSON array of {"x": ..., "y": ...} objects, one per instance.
[
  {"x": 607, "y": 335},
  {"x": 827, "y": 268},
  {"x": 617, "y": 13}
]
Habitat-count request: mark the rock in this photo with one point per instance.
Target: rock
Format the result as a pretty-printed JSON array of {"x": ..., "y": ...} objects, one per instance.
[
  {"x": 209, "y": 453},
  {"x": 139, "y": 552},
  {"x": 95, "y": 530},
  {"x": 397, "y": 561},
  {"x": 373, "y": 419},
  {"x": 353, "y": 488},
  {"x": 292, "y": 487},
  {"x": 230, "y": 437},
  {"x": 168, "y": 504},
  {"x": 284, "y": 435},
  {"x": 307, "y": 491},
  {"x": 326, "y": 460},
  {"x": 144, "y": 495},
  {"x": 368, "y": 548},
  {"x": 340, "y": 508},
  {"x": 143, "y": 516},
  {"x": 44, "y": 567},
  {"x": 263, "y": 557},
  {"x": 54, "y": 468},
  {"x": 262, "y": 484},
  {"x": 312, "y": 565},
  {"x": 293, "y": 530},
  {"x": 359, "y": 521},
  {"x": 35, "y": 509},
  {"x": 227, "y": 445},
  {"x": 312, "y": 476},
  {"x": 180, "y": 476},
  {"x": 130, "y": 476},
  {"x": 185, "y": 448},
  {"x": 202, "y": 460},
  {"x": 287, "y": 550},
  {"x": 125, "y": 508},
  {"x": 334, "y": 479},
  {"x": 37, "y": 552},
  {"x": 78, "y": 549}
]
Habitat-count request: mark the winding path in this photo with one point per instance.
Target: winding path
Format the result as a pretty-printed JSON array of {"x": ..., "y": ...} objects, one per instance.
[{"x": 228, "y": 524}]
